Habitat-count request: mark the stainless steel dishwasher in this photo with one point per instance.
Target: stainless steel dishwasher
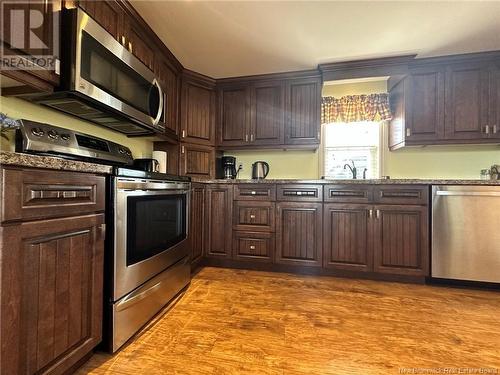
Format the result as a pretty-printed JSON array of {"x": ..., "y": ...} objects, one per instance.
[{"x": 466, "y": 232}]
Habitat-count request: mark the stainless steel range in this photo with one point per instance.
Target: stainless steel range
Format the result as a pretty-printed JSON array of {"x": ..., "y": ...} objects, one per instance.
[
  {"x": 149, "y": 212},
  {"x": 147, "y": 252}
]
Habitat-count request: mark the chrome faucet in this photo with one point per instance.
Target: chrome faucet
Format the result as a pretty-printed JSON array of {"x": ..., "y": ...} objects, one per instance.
[{"x": 353, "y": 169}]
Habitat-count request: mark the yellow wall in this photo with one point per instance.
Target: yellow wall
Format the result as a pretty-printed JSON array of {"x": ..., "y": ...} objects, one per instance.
[
  {"x": 18, "y": 108},
  {"x": 283, "y": 164}
]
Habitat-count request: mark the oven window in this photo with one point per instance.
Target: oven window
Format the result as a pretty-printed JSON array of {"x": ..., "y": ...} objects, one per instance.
[{"x": 154, "y": 223}]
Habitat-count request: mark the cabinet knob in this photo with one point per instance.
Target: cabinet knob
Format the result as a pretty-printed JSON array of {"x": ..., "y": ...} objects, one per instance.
[
  {"x": 252, "y": 216},
  {"x": 252, "y": 247}
]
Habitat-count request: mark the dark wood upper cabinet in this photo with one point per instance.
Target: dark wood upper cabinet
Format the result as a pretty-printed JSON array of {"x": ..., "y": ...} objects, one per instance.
[
  {"x": 446, "y": 100},
  {"x": 467, "y": 106},
  {"x": 197, "y": 160},
  {"x": 109, "y": 14},
  {"x": 218, "y": 220},
  {"x": 494, "y": 95},
  {"x": 138, "y": 43},
  {"x": 303, "y": 106},
  {"x": 170, "y": 83},
  {"x": 234, "y": 116},
  {"x": 42, "y": 79},
  {"x": 198, "y": 110},
  {"x": 401, "y": 240},
  {"x": 426, "y": 105},
  {"x": 267, "y": 113},
  {"x": 347, "y": 237},
  {"x": 299, "y": 233}
]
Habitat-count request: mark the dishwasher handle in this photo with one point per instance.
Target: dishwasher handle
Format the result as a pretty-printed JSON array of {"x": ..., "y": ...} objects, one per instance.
[{"x": 468, "y": 193}]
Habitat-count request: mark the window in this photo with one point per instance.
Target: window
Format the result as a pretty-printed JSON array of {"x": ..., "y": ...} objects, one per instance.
[{"x": 357, "y": 142}]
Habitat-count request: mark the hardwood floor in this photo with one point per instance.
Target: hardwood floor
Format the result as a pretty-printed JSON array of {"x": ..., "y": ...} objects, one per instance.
[{"x": 249, "y": 322}]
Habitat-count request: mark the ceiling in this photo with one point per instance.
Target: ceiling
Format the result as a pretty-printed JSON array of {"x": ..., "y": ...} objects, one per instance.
[{"x": 234, "y": 38}]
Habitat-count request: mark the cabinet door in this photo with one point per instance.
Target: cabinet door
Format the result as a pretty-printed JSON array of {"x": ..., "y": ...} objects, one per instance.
[
  {"x": 19, "y": 39},
  {"x": 425, "y": 106},
  {"x": 299, "y": 233},
  {"x": 218, "y": 234},
  {"x": 197, "y": 160},
  {"x": 303, "y": 105},
  {"x": 234, "y": 116},
  {"x": 170, "y": 84},
  {"x": 268, "y": 114},
  {"x": 347, "y": 236},
  {"x": 138, "y": 43},
  {"x": 52, "y": 282},
  {"x": 108, "y": 14},
  {"x": 466, "y": 111},
  {"x": 401, "y": 240},
  {"x": 198, "y": 113},
  {"x": 494, "y": 97},
  {"x": 196, "y": 222}
]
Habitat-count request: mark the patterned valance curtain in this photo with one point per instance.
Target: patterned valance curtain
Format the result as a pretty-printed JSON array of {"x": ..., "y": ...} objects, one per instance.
[{"x": 355, "y": 108}]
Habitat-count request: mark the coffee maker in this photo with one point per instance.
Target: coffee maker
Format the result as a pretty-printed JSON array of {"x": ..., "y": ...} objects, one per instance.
[{"x": 226, "y": 167}]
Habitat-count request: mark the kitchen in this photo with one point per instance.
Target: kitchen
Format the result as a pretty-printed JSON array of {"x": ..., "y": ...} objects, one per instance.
[{"x": 230, "y": 204}]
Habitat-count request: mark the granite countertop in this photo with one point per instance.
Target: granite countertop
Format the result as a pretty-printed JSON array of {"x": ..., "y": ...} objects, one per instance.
[
  {"x": 51, "y": 162},
  {"x": 354, "y": 182}
]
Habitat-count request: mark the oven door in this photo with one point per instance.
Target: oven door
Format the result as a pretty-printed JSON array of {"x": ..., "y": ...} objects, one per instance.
[
  {"x": 150, "y": 235},
  {"x": 108, "y": 73}
]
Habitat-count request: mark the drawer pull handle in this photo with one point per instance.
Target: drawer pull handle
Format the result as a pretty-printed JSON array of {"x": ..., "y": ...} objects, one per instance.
[
  {"x": 346, "y": 193},
  {"x": 252, "y": 247},
  {"x": 400, "y": 194},
  {"x": 299, "y": 193},
  {"x": 253, "y": 192},
  {"x": 60, "y": 194},
  {"x": 252, "y": 216}
]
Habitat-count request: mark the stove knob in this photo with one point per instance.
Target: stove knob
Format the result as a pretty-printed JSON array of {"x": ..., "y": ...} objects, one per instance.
[
  {"x": 52, "y": 134},
  {"x": 65, "y": 137},
  {"x": 38, "y": 132}
]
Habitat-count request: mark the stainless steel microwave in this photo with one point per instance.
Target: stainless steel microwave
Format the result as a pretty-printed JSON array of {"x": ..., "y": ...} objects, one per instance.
[{"x": 101, "y": 81}]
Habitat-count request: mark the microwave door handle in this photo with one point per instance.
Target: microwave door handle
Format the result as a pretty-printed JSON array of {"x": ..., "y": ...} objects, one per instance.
[{"x": 160, "y": 104}]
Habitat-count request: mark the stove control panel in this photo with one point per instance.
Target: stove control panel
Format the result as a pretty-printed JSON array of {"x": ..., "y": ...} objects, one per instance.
[{"x": 35, "y": 137}]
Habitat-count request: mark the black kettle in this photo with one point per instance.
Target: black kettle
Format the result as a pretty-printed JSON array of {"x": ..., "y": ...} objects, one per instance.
[{"x": 260, "y": 169}]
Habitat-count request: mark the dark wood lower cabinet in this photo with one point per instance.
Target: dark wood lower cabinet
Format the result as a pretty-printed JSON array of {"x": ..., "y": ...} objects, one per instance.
[
  {"x": 347, "y": 237},
  {"x": 196, "y": 227},
  {"x": 299, "y": 233},
  {"x": 401, "y": 242},
  {"x": 254, "y": 246},
  {"x": 51, "y": 296},
  {"x": 219, "y": 220}
]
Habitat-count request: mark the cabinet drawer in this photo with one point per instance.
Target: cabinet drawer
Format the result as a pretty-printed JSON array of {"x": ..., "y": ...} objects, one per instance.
[
  {"x": 402, "y": 194},
  {"x": 300, "y": 192},
  {"x": 253, "y": 246},
  {"x": 348, "y": 193},
  {"x": 258, "y": 192},
  {"x": 254, "y": 216},
  {"x": 29, "y": 194}
]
